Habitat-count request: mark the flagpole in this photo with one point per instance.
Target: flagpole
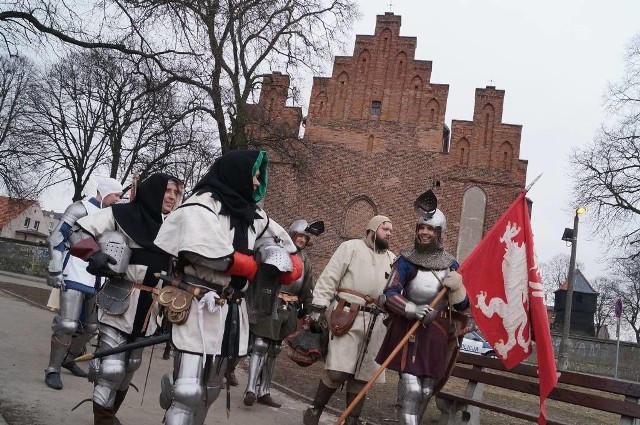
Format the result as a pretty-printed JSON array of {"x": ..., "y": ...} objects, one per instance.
[
  {"x": 617, "y": 346},
  {"x": 526, "y": 189}
]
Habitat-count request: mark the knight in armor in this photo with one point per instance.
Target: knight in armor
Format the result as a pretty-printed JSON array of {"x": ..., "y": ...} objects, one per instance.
[
  {"x": 76, "y": 321},
  {"x": 213, "y": 236},
  {"x": 417, "y": 277},
  {"x": 293, "y": 302},
  {"x": 347, "y": 291},
  {"x": 118, "y": 243}
]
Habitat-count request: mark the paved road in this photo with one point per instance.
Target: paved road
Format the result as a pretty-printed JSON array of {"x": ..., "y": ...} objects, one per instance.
[{"x": 24, "y": 352}]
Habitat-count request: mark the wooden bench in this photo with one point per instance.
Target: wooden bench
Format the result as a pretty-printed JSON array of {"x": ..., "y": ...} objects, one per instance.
[{"x": 578, "y": 389}]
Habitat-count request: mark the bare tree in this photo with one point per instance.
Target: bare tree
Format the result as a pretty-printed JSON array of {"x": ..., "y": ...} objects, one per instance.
[
  {"x": 607, "y": 173},
  {"x": 219, "y": 48},
  {"x": 629, "y": 292},
  {"x": 67, "y": 120},
  {"x": 94, "y": 111},
  {"x": 17, "y": 76},
  {"x": 555, "y": 273},
  {"x": 607, "y": 289}
]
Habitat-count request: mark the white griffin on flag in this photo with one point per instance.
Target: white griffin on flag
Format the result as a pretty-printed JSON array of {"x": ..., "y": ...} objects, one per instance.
[
  {"x": 512, "y": 312},
  {"x": 502, "y": 275}
]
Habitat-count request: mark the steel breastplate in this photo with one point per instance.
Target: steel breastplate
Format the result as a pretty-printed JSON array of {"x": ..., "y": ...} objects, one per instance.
[
  {"x": 295, "y": 287},
  {"x": 423, "y": 288}
]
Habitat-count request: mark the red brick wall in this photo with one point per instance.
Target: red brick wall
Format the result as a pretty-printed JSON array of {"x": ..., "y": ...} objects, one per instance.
[{"x": 351, "y": 163}]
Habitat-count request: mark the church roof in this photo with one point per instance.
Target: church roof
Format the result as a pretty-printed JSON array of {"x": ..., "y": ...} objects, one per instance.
[{"x": 581, "y": 284}]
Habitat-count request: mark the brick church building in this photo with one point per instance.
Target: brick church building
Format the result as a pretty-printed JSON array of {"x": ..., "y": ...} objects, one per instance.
[{"x": 375, "y": 138}]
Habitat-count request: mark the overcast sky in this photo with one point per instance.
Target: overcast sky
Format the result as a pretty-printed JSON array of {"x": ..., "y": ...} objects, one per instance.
[{"x": 553, "y": 59}]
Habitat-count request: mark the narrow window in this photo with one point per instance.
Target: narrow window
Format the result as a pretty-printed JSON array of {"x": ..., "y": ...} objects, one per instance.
[
  {"x": 376, "y": 108},
  {"x": 27, "y": 222},
  {"x": 36, "y": 225}
]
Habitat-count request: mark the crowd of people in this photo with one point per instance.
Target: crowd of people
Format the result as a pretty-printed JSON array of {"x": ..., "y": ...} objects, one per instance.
[{"x": 226, "y": 282}]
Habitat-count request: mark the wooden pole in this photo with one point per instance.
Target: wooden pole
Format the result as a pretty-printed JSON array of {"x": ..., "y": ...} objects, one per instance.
[{"x": 384, "y": 365}]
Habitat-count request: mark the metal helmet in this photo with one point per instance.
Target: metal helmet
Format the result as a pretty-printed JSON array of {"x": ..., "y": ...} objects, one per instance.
[
  {"x": 270, "y": 250},
  {"x": 435, "y": 219},
  {"x": 114, "y": 243},
  {"x": 299, "y": 226},
  {"x": 302, "y": 227}
]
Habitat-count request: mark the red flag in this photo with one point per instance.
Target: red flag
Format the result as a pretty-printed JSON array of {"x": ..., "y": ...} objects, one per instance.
[{"x": 507, "y": 298}]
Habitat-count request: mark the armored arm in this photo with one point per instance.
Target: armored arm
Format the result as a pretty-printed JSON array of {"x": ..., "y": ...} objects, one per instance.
[{"x": 59, "y": 242}]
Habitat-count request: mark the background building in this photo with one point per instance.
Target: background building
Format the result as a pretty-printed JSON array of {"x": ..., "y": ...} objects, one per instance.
[
  {"x": 375, "y": 138},
  {"x": 24, "y": 220}
]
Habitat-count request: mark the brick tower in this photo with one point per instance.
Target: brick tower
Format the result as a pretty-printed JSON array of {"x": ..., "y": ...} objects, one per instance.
[{"x": 375, "y": 138}]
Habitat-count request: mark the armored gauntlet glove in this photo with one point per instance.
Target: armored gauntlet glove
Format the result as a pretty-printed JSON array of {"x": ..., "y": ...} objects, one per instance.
[
  {"x": 316, "y": 317},
  {"x": 56, "y": 280},
  {"x": 415, "y": 311},
  {"x": 99, "y": 264}
]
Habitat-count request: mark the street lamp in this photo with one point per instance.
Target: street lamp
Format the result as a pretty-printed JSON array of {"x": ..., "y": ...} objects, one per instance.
[{"x": 570, "y": 235}]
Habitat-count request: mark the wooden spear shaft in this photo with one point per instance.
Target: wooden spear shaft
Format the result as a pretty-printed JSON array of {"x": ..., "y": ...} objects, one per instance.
[{"x": 384, "y": 365}]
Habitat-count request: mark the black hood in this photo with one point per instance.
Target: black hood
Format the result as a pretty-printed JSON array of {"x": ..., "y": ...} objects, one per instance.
[{"x": 142, "y": 218}]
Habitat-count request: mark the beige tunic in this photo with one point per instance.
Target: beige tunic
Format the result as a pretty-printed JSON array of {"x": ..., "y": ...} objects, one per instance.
[
  {"x": 357, "y": 267},
  {"x": 96, "y": 224},
  {"x": 199, "y": 228}
]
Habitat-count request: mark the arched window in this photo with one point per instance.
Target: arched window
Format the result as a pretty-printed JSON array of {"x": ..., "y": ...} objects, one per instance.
[
  {"x": 376, "y": 108},
  {"x": 433, "y": 110},
  {"x": 463, "y": 152},
  {"x": 506, "y": 156},
  {"x": 474, "y": 203},
  {"x": 321, "y": 104},
  {"x": 356, "y": 216},
  {"x": 488, "y": 113}
]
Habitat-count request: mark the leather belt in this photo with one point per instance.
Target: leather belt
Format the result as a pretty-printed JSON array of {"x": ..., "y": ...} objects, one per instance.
[
  {"x": 362, "y": 308},
  {"x": 365, "y": 297},
  {"x": 199, "y": 287},
  {"x": 142, "y": 287}
]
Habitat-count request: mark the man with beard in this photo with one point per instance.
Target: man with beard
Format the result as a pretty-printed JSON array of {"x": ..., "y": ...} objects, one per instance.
[
  {"x": 76, "y": 320},
  {"x": 357, "y": 273},
  {"x": 417, "y": 277},
  {"x": 212, "y": 236},
  {"x": 126, "y": 310}
]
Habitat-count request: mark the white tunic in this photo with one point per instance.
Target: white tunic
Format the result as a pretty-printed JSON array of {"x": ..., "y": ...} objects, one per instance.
[
  {"x": 198, "y": 227},
  {"x": 96, "y": 224},
  {"x": 75, "y": 269},
  {"x": 354, "y": 266}
]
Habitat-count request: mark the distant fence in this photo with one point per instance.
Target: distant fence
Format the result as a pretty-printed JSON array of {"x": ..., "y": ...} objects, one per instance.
[{"x": 24, "y": 257}]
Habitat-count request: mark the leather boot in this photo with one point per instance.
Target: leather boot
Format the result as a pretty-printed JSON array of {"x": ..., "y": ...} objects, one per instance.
[
  {"x": 103, "y": 415},
  {"x": 311, "y": 416},
  {"x": 269, "y": 401},
  {"x": 52, "y": 379},
  {"x": 357, "y": 410}
]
